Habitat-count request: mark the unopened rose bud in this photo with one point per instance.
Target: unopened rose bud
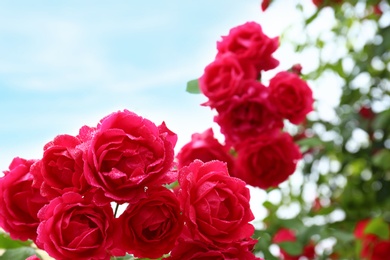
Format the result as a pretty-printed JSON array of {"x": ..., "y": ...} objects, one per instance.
[
  {"x": 366, "y": 112},
  {"x": 377, "y": 10},
  {"x": 265, "y": 4},
  {"x": 296, "y": 69}
]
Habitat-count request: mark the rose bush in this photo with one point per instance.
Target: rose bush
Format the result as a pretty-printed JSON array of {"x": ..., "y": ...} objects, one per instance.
[
  {"x": 191, "y": 210},
  {"x": 64, "y": 201},
  {"x": 251, "y": 115}
]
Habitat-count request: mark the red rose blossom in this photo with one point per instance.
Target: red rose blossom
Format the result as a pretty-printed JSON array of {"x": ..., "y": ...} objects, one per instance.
[
  {"x": 61, "y": 168},
  {"x": 222, "y": 78},
  {"x": 267, "y": 160},
  {"x": 290, "y": 96},
  {"x": 204, "y": 147},
  {"x": 190, "y": 249},
  {"x": 20, "y": 201},
  {"x": 320, "y": 3},
  {"x": 372, "y": 247},
  {"x": 250, "y": 44},
  {"x": 359, "y": 228},
  {"x": 151, "y": 226},
  {"x": 72, "y": 227},
  {"x": 288, "y": 235},
  {"x": 215, "y": 206},
  {"x": 248, "y": 114},
  {"x": 127, "y": 153}
]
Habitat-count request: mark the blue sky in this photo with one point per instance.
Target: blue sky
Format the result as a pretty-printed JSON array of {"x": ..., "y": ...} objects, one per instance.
[{"x": 64, "y": 64}]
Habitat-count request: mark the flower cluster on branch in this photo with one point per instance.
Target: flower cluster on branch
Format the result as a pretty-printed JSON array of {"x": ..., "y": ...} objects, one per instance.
[
  {"x": 251, "y": 115},
  {"x": 64, "y": 201}
]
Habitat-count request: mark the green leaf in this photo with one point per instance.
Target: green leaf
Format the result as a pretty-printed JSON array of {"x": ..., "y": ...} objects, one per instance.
[
  {"x": 379, "y": 227},
  {"x": 20, "y": 253},
  {"x": 172, "y": 185},
  {"x": 263, "y": 244},
  {"x": 341, "y": 236},
  {"x": 193, "y": 87},
  {"x": 324, "y": 211},
  {"x": 126, "y": 257},
  {"x": 307, "y": 233},
  {"x": 382, "y": 159},
  {"x": 309, "y": 142},
  {"x": 382, "y": 119},
  {"x": 358, "y": 247},
  {"x": 312, "y": 18},
  {"x": 293, "y": 223},
  {"x": 268, "y": 205},
  {"x": 8, "y": 243},
  {"x": 292, "y": 248},
  {"x": 356, "y": 166}
]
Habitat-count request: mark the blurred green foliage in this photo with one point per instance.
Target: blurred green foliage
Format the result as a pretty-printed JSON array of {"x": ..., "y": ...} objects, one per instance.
[{"x": 346, "y": 162}]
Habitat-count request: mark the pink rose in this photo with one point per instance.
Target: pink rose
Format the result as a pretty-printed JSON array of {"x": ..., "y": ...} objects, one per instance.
[
  {"x": 248, "y": 114},
  {"x": 72, "y": 227},
  {"x": 19, "y": 201},
  {"x": 61, "y": 168},
  {"x": 190, "y": 249},
  {"x": 204, "y": 147},
  {"x": 251, "y": 45},
  {"x": 290, "y": 96},
  {"x": 267, "y": 160},
  {"x": 127, "y": 153},
  {"x": 215, "y": 206},
  {"x": 288, "y": 235},
  {"x": 151, "y": 226},
  {"x": 222, "y": 78}
]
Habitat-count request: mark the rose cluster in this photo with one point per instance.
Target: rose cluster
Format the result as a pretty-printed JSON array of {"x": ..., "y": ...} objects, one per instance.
[
  {"x": 65, "y": 201},
  {"x": 251, "y": 115}
]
